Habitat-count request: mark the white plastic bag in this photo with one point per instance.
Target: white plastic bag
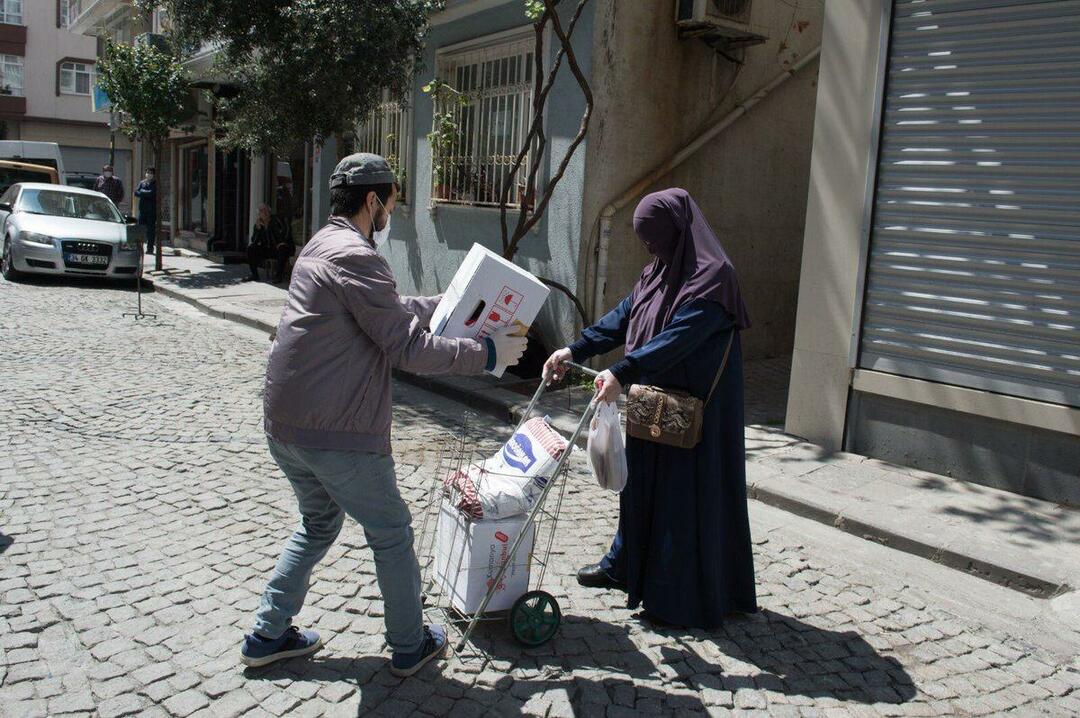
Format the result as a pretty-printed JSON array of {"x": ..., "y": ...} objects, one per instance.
[{"x": 607, "y": 453}]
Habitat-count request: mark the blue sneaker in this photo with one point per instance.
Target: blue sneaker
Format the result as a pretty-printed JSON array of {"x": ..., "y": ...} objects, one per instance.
[
  {"x": 258, "y": 651},
  {"x": 406, "y": 664}
]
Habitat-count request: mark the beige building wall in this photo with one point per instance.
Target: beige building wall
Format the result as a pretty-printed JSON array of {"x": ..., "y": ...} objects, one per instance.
[
  {"x": 654, "y": 94},
  {"x": 841, "y": 174},
  {"x": 46, "y": 45}
]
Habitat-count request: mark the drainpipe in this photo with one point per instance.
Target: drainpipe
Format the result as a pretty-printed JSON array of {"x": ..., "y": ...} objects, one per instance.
[{"x": 608, "y": 213}]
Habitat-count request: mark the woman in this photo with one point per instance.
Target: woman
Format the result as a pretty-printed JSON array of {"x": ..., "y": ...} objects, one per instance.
[
  {"x": 270, "y": 234},
  {"x": 683, "y": 545}
]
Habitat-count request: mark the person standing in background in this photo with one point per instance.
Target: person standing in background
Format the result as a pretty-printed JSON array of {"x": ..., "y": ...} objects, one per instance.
[
  {"x": 147, "y": 194},
  {"x": 109, "y": 185}
]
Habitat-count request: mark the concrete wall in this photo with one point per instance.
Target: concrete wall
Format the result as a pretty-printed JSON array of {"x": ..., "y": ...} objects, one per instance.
[
  {"x": 426, "y": 247},
  {"x": 655, "y": 94},
  {"x": 841, "y": 174}
]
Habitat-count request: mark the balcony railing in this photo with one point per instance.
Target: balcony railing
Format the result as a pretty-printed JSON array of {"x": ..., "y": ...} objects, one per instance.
[{"x": 90, "y": 16}]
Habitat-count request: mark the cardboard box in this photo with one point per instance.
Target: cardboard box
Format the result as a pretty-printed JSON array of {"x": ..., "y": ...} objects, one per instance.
[
  {"x": 468, "y": 554},
  {"x": 488, "y": 292}
]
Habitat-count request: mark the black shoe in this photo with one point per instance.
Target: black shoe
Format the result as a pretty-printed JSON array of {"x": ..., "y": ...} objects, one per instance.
[{"x": 596, "y": 577}]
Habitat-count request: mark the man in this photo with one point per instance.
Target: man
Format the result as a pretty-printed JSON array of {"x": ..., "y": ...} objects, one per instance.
[
  {"x": 147, "y": 194},
  {"x": 109, "y": 185},
  {"x": 327, "y": 408}
]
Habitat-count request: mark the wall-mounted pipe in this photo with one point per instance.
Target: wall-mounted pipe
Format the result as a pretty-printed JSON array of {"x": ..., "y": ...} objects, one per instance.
[{"x": 608, "y": 213}]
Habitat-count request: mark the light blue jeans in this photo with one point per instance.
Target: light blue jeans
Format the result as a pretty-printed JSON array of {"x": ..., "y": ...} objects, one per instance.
[{"x": 328, "y": 485}]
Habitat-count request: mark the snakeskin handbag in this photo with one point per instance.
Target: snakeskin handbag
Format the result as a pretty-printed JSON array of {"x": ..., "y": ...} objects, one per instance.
[{"x": 669, "y": 417}]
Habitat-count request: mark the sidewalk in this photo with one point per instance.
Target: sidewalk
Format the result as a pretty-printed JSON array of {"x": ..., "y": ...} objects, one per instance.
[{"x": 1026, "y": 544}]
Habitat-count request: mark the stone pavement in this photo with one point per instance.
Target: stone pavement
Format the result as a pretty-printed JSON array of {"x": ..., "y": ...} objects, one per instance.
[
  {"x": 140, "y": 514},
  {"x": 1013, "y": 540}
]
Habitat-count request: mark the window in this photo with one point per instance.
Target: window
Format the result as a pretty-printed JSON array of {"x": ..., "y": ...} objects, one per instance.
[
  {"x": 76, "y": 78},
  {"x": 11, "y": 75},
  {"x": 54, "y": 203},
  {"x": 11, "y": 12},
  {"x": 67, "y": 12},
  {"x": 492, "y": 113},
  {"x": 386, "y": 132}
]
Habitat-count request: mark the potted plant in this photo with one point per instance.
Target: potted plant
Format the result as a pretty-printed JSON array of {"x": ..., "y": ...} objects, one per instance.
[{"x": 444, "y": 133}]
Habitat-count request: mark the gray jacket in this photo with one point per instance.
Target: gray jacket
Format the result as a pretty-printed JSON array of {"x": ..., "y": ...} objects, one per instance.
[{"x": 343, "y": 328}]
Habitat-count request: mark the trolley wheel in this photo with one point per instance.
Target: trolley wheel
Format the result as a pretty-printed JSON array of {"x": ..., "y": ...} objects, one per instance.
[{"x": 535, "y": 618}]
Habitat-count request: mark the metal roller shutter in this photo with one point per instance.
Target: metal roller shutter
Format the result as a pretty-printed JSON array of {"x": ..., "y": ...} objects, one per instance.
[{"x": 974, "y": 265}]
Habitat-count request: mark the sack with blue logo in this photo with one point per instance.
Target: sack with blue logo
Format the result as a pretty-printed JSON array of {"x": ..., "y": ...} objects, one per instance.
[{"x": 509, "y": 483}]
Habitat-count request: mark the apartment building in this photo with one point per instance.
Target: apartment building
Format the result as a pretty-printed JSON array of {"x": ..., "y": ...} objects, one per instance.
[{"x": 46, "y": 84}]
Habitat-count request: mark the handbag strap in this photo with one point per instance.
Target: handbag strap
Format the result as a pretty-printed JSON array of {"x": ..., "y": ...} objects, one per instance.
[{"x": 723, "y": 366}]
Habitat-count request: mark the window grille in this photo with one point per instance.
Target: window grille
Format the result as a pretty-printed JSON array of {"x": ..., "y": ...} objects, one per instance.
[
  {"x": 492, "y": 115},
  {"x": 386, "y": 132}
]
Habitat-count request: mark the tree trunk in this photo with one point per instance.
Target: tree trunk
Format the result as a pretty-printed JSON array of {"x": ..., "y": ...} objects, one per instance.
[{"x": 156, "y": 145}]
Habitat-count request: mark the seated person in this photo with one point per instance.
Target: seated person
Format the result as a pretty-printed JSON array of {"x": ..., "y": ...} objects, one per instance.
[{"x": 271, "y": 237}]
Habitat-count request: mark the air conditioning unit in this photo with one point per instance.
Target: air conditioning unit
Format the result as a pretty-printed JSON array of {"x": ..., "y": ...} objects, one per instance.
[{"x": 725, "y": 22}]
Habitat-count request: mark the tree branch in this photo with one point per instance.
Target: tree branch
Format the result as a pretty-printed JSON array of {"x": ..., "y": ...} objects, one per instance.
[
  {"x": 566, "y": 290},
  {"x": 575, "y": 69},
  {"x": 539, "y": 102}
]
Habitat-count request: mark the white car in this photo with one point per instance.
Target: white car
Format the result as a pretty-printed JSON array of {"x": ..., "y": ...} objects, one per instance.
[{"x": 54, "y": 229}]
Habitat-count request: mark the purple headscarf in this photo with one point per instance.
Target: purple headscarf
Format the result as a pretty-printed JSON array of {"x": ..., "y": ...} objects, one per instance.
[{"x": 690, "y": 264}]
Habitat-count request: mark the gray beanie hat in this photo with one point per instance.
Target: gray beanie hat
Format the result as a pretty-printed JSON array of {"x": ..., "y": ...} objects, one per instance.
[{"x": 362, "y": 168}]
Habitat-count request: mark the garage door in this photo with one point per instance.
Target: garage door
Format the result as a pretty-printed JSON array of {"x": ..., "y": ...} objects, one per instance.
[{"x": 974, "y": 266}]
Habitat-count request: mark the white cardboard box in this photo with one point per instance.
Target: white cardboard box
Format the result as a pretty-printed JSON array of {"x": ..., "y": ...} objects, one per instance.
[
  {"x": 468, "y": 554},
  {"x": 488, "y": 292}
]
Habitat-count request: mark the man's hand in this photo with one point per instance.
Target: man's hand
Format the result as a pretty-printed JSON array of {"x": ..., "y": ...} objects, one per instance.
[
  {"x": 608, "y": 387},
  {"x": 555, "y": 367},
  {"x": 509, "y": 346}
]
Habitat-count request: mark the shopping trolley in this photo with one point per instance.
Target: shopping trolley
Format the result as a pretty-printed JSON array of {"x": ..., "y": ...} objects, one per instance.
[{"x": 534, "y": 615}]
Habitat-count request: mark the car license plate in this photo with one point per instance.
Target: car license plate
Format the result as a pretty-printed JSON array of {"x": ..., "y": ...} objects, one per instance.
[{"x": 87, "y": 259}]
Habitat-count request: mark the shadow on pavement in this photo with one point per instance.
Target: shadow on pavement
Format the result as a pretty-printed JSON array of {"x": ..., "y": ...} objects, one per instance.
[
  {"x": 5, "y": 542},
  {"x": 766, "y": 652}
]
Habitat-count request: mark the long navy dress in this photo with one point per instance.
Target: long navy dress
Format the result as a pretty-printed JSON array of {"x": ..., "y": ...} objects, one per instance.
[{"x": 683, "y": 546}]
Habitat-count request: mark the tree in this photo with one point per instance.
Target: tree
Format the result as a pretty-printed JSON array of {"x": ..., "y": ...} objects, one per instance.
[
  {"x": 305, "y": 68},
  {"x": 147, "y": 87}
]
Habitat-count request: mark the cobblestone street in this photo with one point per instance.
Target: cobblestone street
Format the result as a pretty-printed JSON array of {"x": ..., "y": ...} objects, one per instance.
[{"x": 140, "y": 514}]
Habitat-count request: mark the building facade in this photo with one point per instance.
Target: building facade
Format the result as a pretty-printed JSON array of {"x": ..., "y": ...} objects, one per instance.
[
  {"x": 939, "y": 304},
  {"x": 45, "y": 93},
  {"x": 656, "y": 93}
]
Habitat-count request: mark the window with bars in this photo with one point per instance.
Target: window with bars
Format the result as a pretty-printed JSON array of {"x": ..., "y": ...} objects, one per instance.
[
  {"x": 386, "y": 132},
  {"x": 76, "y": 78},
  {"x": 11, "y": 12},
  {"x": 11, "y": 69},
  {"x": 492, "y": 112}
]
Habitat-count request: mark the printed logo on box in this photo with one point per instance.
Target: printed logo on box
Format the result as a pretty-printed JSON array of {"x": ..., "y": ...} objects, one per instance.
[{"x": 519, "y": 453}]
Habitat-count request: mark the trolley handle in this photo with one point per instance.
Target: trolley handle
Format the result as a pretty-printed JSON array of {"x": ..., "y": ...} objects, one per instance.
[
  {"x": 583, "y": 369},
  {"x": 543, "y": 388}
]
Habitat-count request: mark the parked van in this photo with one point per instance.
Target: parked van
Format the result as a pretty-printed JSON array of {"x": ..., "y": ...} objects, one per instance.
[
  {"x": 36, "y": 153},
  {"x": 12, "y": 172}
]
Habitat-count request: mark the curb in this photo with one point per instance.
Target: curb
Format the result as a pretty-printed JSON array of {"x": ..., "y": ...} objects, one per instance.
[{"x": 1027, "y": 583}]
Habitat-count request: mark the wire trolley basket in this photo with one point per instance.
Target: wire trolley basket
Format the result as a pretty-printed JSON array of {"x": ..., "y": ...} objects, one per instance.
[{"x": 481, "y": 570}]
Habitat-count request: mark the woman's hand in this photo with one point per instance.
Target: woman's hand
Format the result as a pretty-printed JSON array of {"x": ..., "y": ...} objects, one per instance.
[
  {"x": 555, "y": 367},
  {"x": 608, "y": 387}
]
